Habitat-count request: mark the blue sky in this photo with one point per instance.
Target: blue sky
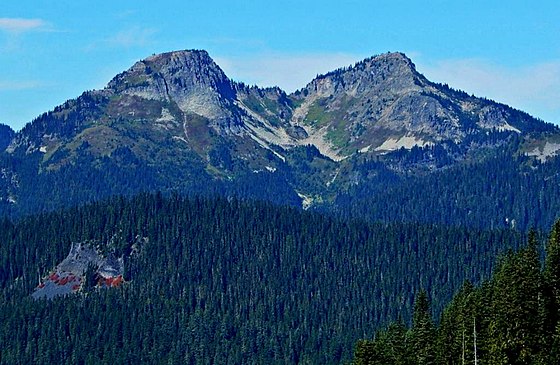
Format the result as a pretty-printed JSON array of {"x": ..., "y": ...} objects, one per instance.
[{"x": 53, "y": 51}]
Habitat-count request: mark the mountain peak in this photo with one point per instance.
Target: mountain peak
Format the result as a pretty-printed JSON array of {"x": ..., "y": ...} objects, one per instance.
[
  {"x": 383, "y": 103},
  {"x": 396, "y": 61},
  {"x": 390, "y": 72},
  {"x": 186, "y": 53},
  {"x": 186, "y": 68},
  {"x": 189, "y": 78},
  {"x": 392, "y": 56},
  {"x": 181, "y": 62},
  {"x": 377, "y": 105}
]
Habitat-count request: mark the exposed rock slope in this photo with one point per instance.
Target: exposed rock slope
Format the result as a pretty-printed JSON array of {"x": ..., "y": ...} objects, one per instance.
[{"x": 70, "y": 275}]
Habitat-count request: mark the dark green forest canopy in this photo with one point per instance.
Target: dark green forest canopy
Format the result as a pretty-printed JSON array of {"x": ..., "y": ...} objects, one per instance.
[
  {"x": 511, "y": 318},
  {"x": 503, "y": 189},
  {"x": 212, "y": 280}
]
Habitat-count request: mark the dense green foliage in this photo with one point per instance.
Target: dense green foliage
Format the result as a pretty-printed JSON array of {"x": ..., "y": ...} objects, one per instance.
[
  {"x": 217, "y": 281},
  {"x": 512, "y": 318},
  {"x": 497, "y": 190},
  {"x": 6, "y": 135},
  {"x": 494, "y": 192},
  {"x": 91, "y": 179}
]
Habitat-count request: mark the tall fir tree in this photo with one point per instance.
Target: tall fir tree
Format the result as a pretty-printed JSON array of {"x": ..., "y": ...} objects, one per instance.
[
  {"x": 516, "y": 325},
  {"x": 552, "y": 290},
  {"x": 423, "y": 331}
]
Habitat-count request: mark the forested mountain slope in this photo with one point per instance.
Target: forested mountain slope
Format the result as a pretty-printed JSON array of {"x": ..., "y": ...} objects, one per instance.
[
  {"x": 6, "y": 136},
  {"x": 225, "y": 282}
]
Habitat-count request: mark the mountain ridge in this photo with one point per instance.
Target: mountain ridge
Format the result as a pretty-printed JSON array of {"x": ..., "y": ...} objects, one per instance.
[
  {"x": 176, "y": 122},
  {"x": 406, "y": 108}
]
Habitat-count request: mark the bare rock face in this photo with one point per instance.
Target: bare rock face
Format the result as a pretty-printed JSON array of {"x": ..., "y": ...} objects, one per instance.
[
  {"x": 383, "y": 76},
  {"x": 70, "y": 275},
  {"x": 384, "y": 99},
  {"x": 191, "y": 79},
  {"x": 379, "y": 99}
]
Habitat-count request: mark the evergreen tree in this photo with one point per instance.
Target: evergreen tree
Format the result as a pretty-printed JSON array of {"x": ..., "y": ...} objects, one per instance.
[
  {"x": 90, "y": 278},
  {"x": 516, "y": 326},
  {"x": 423, "y": 331},
  {"x": 391, "y": 346},
  {"x": 552, "y": 290},
  {"x": 455, "y": 334}
]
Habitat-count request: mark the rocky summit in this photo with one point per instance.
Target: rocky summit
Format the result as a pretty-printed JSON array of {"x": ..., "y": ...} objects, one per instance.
[
  {"x": 176, "y": 122},
  {"x": 189, "y": 79},
  {"x": 383, "y": 104}
]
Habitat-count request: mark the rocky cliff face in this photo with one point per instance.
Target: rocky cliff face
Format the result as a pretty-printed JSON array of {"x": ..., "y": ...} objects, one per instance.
[
  {"x": 190, "y": 79},
  {"x": 69, "y": 276}
]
